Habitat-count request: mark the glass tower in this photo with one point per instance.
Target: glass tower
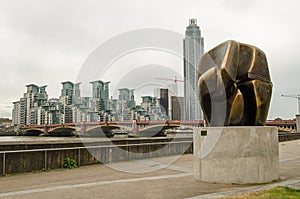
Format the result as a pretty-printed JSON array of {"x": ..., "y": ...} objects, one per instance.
[
  {"x": 101, "y": 92},
  {"x": 192, "y": 50}
]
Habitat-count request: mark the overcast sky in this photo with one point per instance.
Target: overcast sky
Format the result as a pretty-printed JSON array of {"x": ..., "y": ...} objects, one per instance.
[{"x": 46, "y": 42}]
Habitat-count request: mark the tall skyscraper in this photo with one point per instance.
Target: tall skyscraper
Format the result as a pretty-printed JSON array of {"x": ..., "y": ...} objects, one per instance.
[
  {"x": 100, "y": 89},
  {"x": 66, "y": 99},
  {"x": 125, "y": 104},
  {"x": 100, "y": 93},
  {"x": 124, "y": 94},
  {"x": 192, "y": 50},
  {"x": 16, "y": 116},
  {"x": 27, "y": 111},
  {"x": 76, "y": 94},
  {"x": 67, "y": 92}
]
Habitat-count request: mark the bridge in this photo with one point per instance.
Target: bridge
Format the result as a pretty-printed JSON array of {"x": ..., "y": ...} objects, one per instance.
[
  {"x": 144, "y": 128},
  {"x": 82, "y": 127},
  {"x": 153, "y": 128},
  {"x": 283, "y": 125}
]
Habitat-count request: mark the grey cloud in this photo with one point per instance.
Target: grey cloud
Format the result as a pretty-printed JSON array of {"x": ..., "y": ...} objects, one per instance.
[{"x": 46, "y": 42}]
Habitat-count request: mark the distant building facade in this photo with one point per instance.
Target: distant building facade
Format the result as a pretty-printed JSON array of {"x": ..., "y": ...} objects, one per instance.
[
  {"x": 125, "y": 104},
  {"x": 164, "y": 101},
  {"x": 5, "y": 122},
  {"x": 25, "y": 111},
  {"x": 100, "y": 100},
  {"x": 66, "y": 99},
  {"x": 34, "y": 108},
  {"x": 176, "y": 108},
  {"x": 162, "y": 96}
]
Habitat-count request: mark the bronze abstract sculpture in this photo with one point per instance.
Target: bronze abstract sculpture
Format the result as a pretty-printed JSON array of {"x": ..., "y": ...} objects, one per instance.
[{"x": 235, "y": 85}]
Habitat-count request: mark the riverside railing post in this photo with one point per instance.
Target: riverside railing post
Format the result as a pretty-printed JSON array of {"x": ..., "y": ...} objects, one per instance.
[
  {"x": 149, "y": 152},
  {"x": 45, "y": 160},
  {"x": 3, "y": 165},
  {"x": 79, "y": 157}
]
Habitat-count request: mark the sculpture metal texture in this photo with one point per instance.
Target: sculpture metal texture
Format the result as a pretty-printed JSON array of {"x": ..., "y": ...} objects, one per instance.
[{"x": 235, "y": 85}]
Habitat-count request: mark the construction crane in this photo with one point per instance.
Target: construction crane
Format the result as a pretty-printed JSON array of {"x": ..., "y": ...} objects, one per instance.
[
  {"x": 173, "y": 80},
  {"x": 296, "y": 97}
]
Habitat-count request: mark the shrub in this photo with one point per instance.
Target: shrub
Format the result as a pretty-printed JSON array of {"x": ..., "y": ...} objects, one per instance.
[{"x": 70, "y": 163}]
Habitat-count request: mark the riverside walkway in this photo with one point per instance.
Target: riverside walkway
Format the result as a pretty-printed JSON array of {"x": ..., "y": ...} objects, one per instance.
[{"x": 153, "y": 178}]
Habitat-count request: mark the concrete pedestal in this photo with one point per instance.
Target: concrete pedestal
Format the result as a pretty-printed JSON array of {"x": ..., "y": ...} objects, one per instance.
[
  {"x": 298, "y": 123},
  {"x": 236, "y": 155}
]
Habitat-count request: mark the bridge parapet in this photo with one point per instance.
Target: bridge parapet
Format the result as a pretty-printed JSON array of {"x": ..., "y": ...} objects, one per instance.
[{"x": 140, "y": 125}]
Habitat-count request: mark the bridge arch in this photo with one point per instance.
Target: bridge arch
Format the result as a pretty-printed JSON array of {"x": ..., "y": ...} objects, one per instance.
[
  {"x": 62, "y": 130},
  {"x": 156, "y": 130},
  {"x": 103, "y": 130},
  {"x": 110, "y": 126},
  {"x": 34, "y": 131}
]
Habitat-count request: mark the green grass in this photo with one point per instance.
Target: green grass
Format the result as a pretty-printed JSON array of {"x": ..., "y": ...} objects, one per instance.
[{"x": 275, "y": 193}]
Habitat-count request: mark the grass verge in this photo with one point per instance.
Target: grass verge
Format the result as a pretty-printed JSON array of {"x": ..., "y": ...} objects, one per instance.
[{"x": 275, "y": 193}]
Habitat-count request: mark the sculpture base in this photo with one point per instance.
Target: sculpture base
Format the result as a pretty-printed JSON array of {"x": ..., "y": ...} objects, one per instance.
[{"x": 236, "y": 155}]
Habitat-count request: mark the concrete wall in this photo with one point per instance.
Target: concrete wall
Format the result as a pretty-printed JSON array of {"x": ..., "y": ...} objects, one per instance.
[
  {"x": 110, "y": 151},
  {"x": 238, "y": 155}
]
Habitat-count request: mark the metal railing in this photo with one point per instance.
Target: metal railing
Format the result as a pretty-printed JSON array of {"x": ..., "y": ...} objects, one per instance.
[
  {"x": 282, "y": 137},
  {"x": 46, "y": 150}
]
